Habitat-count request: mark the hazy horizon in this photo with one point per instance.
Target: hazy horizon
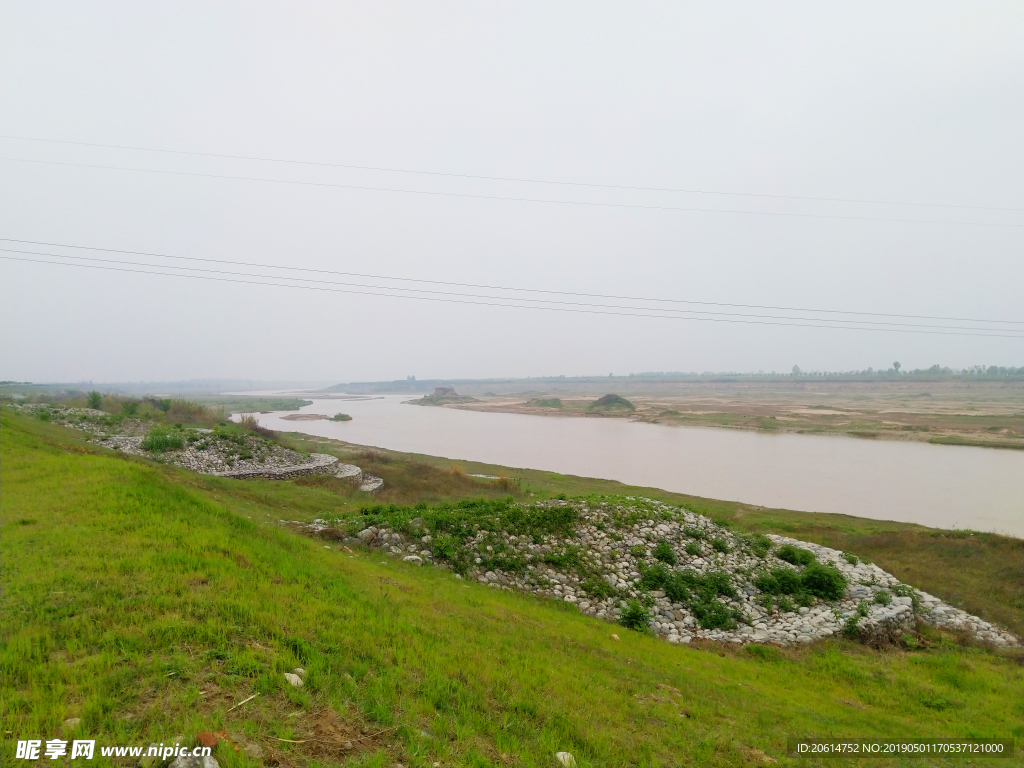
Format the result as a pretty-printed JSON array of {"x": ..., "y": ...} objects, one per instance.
[{"x": 845, "y": 157}]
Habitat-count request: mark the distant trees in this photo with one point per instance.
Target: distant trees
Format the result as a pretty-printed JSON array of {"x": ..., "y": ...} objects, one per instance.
[{"x": 896, "y": 367}]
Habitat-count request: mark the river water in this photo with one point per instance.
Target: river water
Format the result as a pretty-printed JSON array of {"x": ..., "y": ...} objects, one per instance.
[{"x": 934, "y": 485}]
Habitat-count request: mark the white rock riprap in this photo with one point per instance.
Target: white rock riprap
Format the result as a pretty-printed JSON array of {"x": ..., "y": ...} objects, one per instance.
[
  {"x": 209, "y": 451},
  {"x": 867, "y": 579},
  {"x": 600, "y": 564}
]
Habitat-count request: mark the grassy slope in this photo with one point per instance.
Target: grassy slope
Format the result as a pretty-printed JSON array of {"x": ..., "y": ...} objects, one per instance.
[
  {"x": 975, "y": 571},
  {"x": 116, "y": 574}
]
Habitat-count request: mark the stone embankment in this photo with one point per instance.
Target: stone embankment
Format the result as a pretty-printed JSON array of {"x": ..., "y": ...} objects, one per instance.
[
  {"x": 684, "y": 577},
  {"x": 224, "y": 453}
]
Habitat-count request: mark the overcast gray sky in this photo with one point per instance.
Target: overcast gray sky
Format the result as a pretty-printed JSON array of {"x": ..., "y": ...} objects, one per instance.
[{"x": 906, "y": 102}]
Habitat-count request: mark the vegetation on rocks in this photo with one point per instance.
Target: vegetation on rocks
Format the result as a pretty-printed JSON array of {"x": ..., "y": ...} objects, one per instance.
[
  {"x": 149, "y": 601},
  {"x": 611, "y": 403}
]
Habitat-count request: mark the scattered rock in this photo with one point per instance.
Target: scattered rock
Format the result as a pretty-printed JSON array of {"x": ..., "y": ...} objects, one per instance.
[
  {"x": 294, "y": 679},
  {"x": 254, "y": 751},
  {"x": 565, "y": 759},
  {"x": 300, "y": 672},
  {"x": 414, "y": 559},
  {"x": 192, "y": 761},
  {"x": 72, "y": 722},
  {"x": 616, "y": 638},
  {"x": 206, "y": 739},
  {"x": 371, "y": 483}
]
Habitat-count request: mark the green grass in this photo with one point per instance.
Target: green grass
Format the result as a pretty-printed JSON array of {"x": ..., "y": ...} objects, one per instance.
[{"x": 147, "y": 601}]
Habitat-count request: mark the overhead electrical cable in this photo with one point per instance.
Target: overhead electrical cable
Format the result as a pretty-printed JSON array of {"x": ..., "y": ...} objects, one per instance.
[
  {"x": 663, "y": 312},
  {"x": 499, "y": 302},
  {"x": 505, "y": 198},
  {"x": 514, "y": 179},
  {"x": 479, "y": 286}
]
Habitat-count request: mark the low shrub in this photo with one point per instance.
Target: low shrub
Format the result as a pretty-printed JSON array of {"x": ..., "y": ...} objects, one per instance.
[
  {"x": 883, "y": 598},
  {"x": 713, "y": 614},
  {"x": 162, "y": 438},
  {"x": 795, "y": 555},
  {"x": 693, "y": 548},
  {"x": 248, "y": 421},
  {"x": 720, "y": 583},
  {"x": 664, "y": 552},
  {"x": 341, "y": 417},
  {"x": 638, "y": 551},
  {"x": 761, "y": 545},
  {"x": 693, "y": 533},
  {"x": 598, "y": 588},
  {"x": 654, "y": 577},
  {"x": 95, "y": 400},
  {"x": 720, "y": 544},
  {"x": 635, "y": 616},
  {"x": 851, "y": 559},
  {"x": 823, "y": 581}
]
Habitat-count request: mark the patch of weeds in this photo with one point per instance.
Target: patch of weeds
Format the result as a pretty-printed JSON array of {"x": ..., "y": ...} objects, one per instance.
[
  {"x": 663, "y": 551},
  {"x": 693, "y": 548},
  {"x": 694, "y": 533},
  {"x": 883, "y": 598},
  {"x": 764, "y": 653},
  {"x": 713, "y": 614},
  {"x": 851, "y": 559},
  {"x": 635, "y": 616},
  {"x": 760, "y": 545},
  {"x": 795, "y": 555},
  {"x": 654, "y": 577},
  {"x": 905, "y": 590},
  {"x": 823, "y": 581},
  {"x": 720, "y": 545},
  {"x": 639, "y": 551},
  {"x": 850, "y": 628},
  {"x": 567, "y": 558},
  {"x": 785, "y": 604},
  {"x": 161, "y": 438},
  {"x": 598, "y": 588}
]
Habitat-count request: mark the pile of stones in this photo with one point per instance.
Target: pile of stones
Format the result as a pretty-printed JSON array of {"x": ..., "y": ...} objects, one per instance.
[
  {"x": 600, "y": 566},
  {"x": 211, "y": 452}
]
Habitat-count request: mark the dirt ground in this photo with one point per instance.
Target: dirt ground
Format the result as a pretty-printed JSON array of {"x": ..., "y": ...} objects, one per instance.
[{"x": 949, "y": 412}]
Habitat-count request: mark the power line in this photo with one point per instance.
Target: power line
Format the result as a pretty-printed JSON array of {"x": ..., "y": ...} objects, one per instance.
[
  {"x": 503, "y": 303},
  {"x": 506, "y": 288},
  {"x": 508, "y": 178},
  {"x": 502, "y": 198},
  {"x": 502, "y": 298}
]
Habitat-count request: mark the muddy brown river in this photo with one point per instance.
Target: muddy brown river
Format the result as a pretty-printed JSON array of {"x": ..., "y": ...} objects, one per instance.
[{"x": 935, "y": 485}]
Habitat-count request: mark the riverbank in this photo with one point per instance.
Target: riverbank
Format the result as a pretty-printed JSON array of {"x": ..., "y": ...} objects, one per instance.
[
  {"x": 973, "y": 571},
  {"x": 985, "y": 414},
  {"x": 402, "y": 663},
  {"x": 938, "y": 486}
]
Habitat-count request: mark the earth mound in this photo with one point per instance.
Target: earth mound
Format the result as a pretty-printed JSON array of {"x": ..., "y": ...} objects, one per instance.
[
  {"x": 443, "y": 396},
  {"x": 612, "y": 403}
]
